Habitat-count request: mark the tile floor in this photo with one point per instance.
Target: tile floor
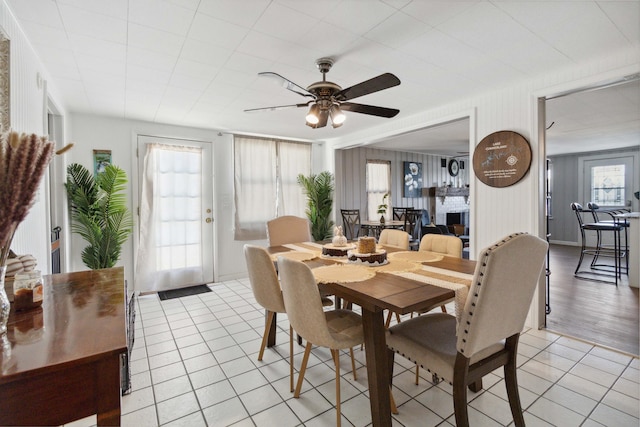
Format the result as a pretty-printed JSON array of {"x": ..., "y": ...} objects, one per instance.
[{"x": 194, "y": 363}]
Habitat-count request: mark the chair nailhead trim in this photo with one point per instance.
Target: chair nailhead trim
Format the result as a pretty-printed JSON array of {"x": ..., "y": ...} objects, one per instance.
[{"x": 481, "y": 275}]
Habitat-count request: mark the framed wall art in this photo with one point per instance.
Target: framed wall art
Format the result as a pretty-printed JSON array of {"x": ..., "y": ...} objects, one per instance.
[
  {"x": 412, "y": 179},
  {"x": 101, "y": 159}
]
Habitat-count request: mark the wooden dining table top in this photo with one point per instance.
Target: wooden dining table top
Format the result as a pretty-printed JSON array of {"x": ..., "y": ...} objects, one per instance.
[{"x": 387, "y": 290}]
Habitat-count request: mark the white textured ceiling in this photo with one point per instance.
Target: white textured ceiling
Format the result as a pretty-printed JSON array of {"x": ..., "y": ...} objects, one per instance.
[{"x": 195, "y": 62}]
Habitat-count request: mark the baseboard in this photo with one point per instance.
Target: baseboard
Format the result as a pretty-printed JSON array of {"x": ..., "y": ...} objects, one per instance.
[{"x": 562, "y": 242}]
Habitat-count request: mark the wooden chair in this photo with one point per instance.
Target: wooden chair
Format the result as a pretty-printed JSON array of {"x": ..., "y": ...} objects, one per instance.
[
  {"x": 399, "y": 213},
  {"x": 288, "y": 229},
  {"x": 266, "y": 290},
  {"x": 351, "y": 223},
  {"x": 486, "y": 335},
  {"x": 396, "y": 238}
]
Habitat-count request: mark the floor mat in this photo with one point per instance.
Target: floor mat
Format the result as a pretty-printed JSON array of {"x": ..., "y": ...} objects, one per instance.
[{"x": 183, "y": 292}]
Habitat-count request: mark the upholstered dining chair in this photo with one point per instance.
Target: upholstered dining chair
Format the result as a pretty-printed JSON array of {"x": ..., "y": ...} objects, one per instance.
[
  {"x": 266, "y": 290},
  {"x": 486, "y": 335},
  {"x": 351, "y": 223},
  {"x": 396, "y": 238},
  {"x": 288, "y": 229},
  {"x": 443, "y": 244},
  {"x": 335, "y": 329}
]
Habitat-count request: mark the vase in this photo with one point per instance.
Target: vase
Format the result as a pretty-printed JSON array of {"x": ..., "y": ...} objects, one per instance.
[
  {"x": 382, "y": 219},
  {"x": 4, "y": 303}
]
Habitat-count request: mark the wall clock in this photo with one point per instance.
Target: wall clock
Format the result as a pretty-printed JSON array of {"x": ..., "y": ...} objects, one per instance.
[{"x": 454, "y": 167}]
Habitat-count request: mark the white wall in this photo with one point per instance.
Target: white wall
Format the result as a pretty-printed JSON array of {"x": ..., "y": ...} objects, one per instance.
[
  {"x": 120, "y": 136},
  {"x": 27, "y": 115}
]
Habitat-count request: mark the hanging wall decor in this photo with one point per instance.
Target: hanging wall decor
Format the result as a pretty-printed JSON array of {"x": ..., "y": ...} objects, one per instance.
[
  {"x": 412, "y": 179},
  {"x": 101, "y": 159},
  {"x": 502, "y": 158}
]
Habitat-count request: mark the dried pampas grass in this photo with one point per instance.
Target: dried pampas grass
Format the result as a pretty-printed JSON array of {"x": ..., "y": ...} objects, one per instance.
[{"x": 23, "y": 161}]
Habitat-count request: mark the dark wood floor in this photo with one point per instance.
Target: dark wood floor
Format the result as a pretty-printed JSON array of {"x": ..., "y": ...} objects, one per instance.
[{"x": 594, "y": 311}]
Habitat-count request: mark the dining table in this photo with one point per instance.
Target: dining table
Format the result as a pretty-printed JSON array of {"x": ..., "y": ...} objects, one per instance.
[{"x": 411, "y": 281}]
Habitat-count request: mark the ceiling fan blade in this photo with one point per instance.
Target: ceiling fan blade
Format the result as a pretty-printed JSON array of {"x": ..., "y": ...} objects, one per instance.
[
  {"x": 287, "y": 84},
  {"x": 383, "y": 81},
  {"x": 276, "y": 108},
  {"x": 369, "y": 109}
]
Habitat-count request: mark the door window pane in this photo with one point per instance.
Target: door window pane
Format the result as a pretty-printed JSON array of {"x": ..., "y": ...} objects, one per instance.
[{"x": 608, "y": 185}]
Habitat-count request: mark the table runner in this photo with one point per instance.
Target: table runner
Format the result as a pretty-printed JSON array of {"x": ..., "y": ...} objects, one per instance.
[
  {"x": 454, "y": 280},
  {"x": 414, "y": 256},
  {"x": 342, "y": 273},
  {"x": 295, "y": 255}
]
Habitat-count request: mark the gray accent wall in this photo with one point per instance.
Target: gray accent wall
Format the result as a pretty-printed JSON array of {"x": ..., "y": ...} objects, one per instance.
[{"x": 563, "y": 226}]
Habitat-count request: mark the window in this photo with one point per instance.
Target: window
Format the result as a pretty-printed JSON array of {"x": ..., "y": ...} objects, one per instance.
[
  {"x": 608, "y": 185},
  {"x": 265, "y": 183},
  {"x": 378, "y": 184}
]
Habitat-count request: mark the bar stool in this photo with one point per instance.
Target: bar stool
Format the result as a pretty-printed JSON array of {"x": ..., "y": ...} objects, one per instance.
[
  {"x": 595, "y": 209},
  {"x": 599, "y": 250}
]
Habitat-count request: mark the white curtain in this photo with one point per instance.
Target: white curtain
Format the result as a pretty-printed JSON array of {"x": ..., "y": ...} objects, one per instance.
[
  {"x": 378, "y": 184},
  {"x": 255, "y": 186},
  {"x": 293, "y": 159},
  {"x": 169, "y": 255},
  {"x": 265, "y": 183}
]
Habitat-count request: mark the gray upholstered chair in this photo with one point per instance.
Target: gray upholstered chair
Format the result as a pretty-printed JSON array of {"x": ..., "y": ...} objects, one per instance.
[
  {"x": 443, "y": 244},
  {"x": 267, "y": 292},
  {"x": 395, "y": 238},
  {"x": 334, "y": 329},
  {"x": 486, "y": 335},
  {"x": 288, "y": 229}
]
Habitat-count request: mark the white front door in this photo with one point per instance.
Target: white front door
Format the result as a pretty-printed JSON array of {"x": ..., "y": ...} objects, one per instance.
[{"x": 175, "y": 239}]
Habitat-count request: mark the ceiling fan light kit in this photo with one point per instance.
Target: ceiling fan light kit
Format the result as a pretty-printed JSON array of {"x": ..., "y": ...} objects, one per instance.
[{"x": 329, "y": 99}]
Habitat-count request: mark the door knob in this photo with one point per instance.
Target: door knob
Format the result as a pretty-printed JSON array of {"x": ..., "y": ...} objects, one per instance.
[{"x": 208, "y": 220}]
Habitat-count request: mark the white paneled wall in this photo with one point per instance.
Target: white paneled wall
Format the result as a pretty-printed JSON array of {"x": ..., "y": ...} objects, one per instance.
[{"x": 28, "y": 115}]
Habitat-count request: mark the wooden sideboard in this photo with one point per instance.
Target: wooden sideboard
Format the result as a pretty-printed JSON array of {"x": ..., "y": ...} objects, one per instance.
[{"x": 61, "y": 362}]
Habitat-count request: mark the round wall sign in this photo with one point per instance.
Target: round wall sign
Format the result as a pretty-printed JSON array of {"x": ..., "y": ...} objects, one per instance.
[{"x": 502, "y": 158}]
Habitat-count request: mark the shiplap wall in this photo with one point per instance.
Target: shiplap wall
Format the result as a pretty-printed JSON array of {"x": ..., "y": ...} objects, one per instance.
[
  {"x": 27, "y": 115},
  {"x": 351, "y": 192}
]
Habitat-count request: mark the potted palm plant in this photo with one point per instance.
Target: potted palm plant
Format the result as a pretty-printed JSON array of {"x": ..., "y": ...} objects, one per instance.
[
  {"x": 319, "y": 192},
  {"x": 99, "y": 213}
]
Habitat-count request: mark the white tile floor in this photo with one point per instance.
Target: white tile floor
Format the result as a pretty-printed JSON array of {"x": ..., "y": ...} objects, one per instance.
[{"x": 194, "y": 363}]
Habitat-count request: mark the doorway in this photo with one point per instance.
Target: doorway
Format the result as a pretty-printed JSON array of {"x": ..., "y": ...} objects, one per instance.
[
  {"x": 590, "y": 131},
  {"x": 176, "y": 233}
]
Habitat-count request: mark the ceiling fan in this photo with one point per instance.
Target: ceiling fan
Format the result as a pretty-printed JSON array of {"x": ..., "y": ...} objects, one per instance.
[{"x": 328, "y": 100}]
